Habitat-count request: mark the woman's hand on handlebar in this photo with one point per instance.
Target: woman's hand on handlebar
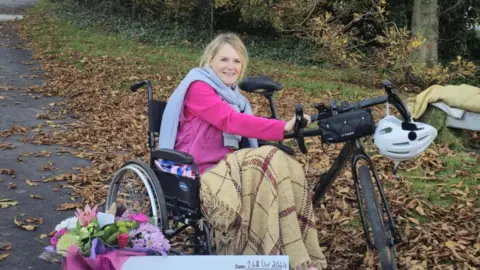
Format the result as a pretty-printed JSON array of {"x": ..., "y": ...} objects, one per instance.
[{"x": 291, "y": 123}]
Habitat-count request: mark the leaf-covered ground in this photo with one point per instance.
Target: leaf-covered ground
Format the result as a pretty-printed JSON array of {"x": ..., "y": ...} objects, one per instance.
[{"x": 434, "y": 201}]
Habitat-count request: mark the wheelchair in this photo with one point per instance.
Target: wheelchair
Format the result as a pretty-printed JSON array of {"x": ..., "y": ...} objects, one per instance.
[{"x": 170, "y": 199}]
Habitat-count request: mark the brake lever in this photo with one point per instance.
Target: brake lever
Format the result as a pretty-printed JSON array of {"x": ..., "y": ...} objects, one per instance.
[
  {"x": 300, "y": 123},
  {"x": 396, "y": 101},
  {"x": 334, "y": 107},
  {"x": 389, "y": 87},
  {"x": 320, "y": 107}
]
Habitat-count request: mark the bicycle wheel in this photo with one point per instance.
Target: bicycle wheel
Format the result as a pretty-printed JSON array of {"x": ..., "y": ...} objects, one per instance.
[
  {"x": 375, "y": 217},
  {"x": 135, "y": 187}
]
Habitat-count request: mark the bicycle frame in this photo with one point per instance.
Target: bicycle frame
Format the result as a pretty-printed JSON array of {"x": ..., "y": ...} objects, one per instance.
[{"x": 354, "y": 151}]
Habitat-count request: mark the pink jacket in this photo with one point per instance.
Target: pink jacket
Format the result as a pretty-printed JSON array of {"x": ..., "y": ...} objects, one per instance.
[{"x": 204, "y": 119}]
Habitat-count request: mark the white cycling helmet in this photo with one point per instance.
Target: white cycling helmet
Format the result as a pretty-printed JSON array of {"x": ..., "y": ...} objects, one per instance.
[{"x": 399, "y": 144}]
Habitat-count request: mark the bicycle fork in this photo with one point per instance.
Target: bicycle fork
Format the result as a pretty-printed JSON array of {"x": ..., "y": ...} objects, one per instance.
[{"x": 390, "y": 225}]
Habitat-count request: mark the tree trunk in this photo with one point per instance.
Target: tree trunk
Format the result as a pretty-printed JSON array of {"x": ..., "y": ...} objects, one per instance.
[{"x": 425, "y": 24}]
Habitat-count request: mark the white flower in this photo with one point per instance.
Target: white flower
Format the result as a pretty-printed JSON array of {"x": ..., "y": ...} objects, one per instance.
[{"x": 69, "y": 223}]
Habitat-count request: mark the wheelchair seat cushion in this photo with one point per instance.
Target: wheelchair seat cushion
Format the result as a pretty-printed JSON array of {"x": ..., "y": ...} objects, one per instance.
[{"x": 175, "y": 168}]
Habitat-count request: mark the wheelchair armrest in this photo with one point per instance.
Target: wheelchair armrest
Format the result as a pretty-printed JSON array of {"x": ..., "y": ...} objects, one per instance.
[
  {"x": 172, "y": 155},
  {"x": 288, "y": 150}
]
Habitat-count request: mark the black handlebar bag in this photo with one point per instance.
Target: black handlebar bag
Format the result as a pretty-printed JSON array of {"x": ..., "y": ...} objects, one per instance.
[{"x": 347, "y": 126}]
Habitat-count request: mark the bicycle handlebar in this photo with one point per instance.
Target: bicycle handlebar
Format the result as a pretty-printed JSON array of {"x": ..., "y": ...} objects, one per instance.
[{"x": 324, "y": 112}]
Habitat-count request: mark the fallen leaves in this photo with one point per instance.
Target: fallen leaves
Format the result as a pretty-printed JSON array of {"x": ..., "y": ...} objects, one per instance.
[
  {"x": 12, "y": 131},
  {"x": 420, "y": 210},
  {"x": 5, "y": 203},
  {"x": 48, "y": 116},
  {"x": 6, "y": 146},
  {"x": 69, "y": 206},
  {"x": 29, "y": 224},
  {"x": 36, "y": 196},
  {"x": 27, "y": 62},
  {"x": 49, "y": 166},
  {"x": 5, "y": 246},
  {"x": 61, "y": 177},
  {"x": 474, "y": 137},
  {"x": 42, "y": 153},
  {"x": 30, "y": 183},
  {"x": 12, "y": 185},
  {"x": 5, "y": 88},
  {"x": 450, "y": 244},
  {"x": 414, "y": 220},
  {"x": 4, "y": 256},
  {"x": 10, "y": 172}
]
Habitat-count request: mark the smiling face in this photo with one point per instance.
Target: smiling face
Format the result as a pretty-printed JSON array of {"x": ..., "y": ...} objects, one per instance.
[{"x": 227, "y": 64}]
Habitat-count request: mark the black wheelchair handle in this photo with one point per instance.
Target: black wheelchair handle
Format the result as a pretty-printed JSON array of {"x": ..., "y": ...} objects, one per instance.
[
  {"x": 140, "y": 84},
  {"x": 137, "y": 85}
]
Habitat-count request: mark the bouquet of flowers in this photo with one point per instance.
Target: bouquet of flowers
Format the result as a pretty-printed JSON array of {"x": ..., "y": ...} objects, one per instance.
[{"x": 92, "y": 234}]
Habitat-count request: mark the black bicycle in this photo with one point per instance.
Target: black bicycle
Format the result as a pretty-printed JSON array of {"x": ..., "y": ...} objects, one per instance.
[{"x": 347, "y": 124}]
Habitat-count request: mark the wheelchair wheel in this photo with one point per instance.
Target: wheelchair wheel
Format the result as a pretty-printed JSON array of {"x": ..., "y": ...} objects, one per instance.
[{"x": 135, "y": 187}]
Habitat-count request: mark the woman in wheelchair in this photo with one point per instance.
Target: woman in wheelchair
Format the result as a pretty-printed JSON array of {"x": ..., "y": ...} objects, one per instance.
[{"x": 256, "y": 199}]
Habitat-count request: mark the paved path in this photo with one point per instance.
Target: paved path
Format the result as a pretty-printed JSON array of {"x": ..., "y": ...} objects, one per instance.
[
  {"x": 10, "y": 6},
  {"x": 18, "y": 108}
]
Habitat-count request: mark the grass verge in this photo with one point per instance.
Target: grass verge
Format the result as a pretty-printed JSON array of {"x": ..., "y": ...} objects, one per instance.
[
  {"x": 174, "y": 60},
  {"x": 460, "y": 175}
]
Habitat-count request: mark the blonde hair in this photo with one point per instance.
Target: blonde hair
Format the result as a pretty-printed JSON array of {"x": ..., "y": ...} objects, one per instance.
[{"x": 216, "y": 44}]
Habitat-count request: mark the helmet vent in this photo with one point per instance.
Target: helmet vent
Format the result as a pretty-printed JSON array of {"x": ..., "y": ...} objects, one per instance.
[
  {"x": 386, "y": 130},
  {"x": 422, "y": 138},
  {"x": 399, "y": 153},
  {"x": 401, "y": 144}
]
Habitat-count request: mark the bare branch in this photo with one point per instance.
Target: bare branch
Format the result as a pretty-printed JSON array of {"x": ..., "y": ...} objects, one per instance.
[
  {"x": 452, "y": 7},
  {"x": 310, "y": 13},
  {"x": 357, "y": 19}
]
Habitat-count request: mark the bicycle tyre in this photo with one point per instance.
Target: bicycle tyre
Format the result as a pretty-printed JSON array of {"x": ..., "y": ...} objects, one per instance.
[
  {"x": 386, "y": 253},
  {"x": 154, "y": 190}
]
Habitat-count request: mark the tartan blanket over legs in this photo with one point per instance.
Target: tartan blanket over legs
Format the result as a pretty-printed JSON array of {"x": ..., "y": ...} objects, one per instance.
[{"x": 258, "y": 203}]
